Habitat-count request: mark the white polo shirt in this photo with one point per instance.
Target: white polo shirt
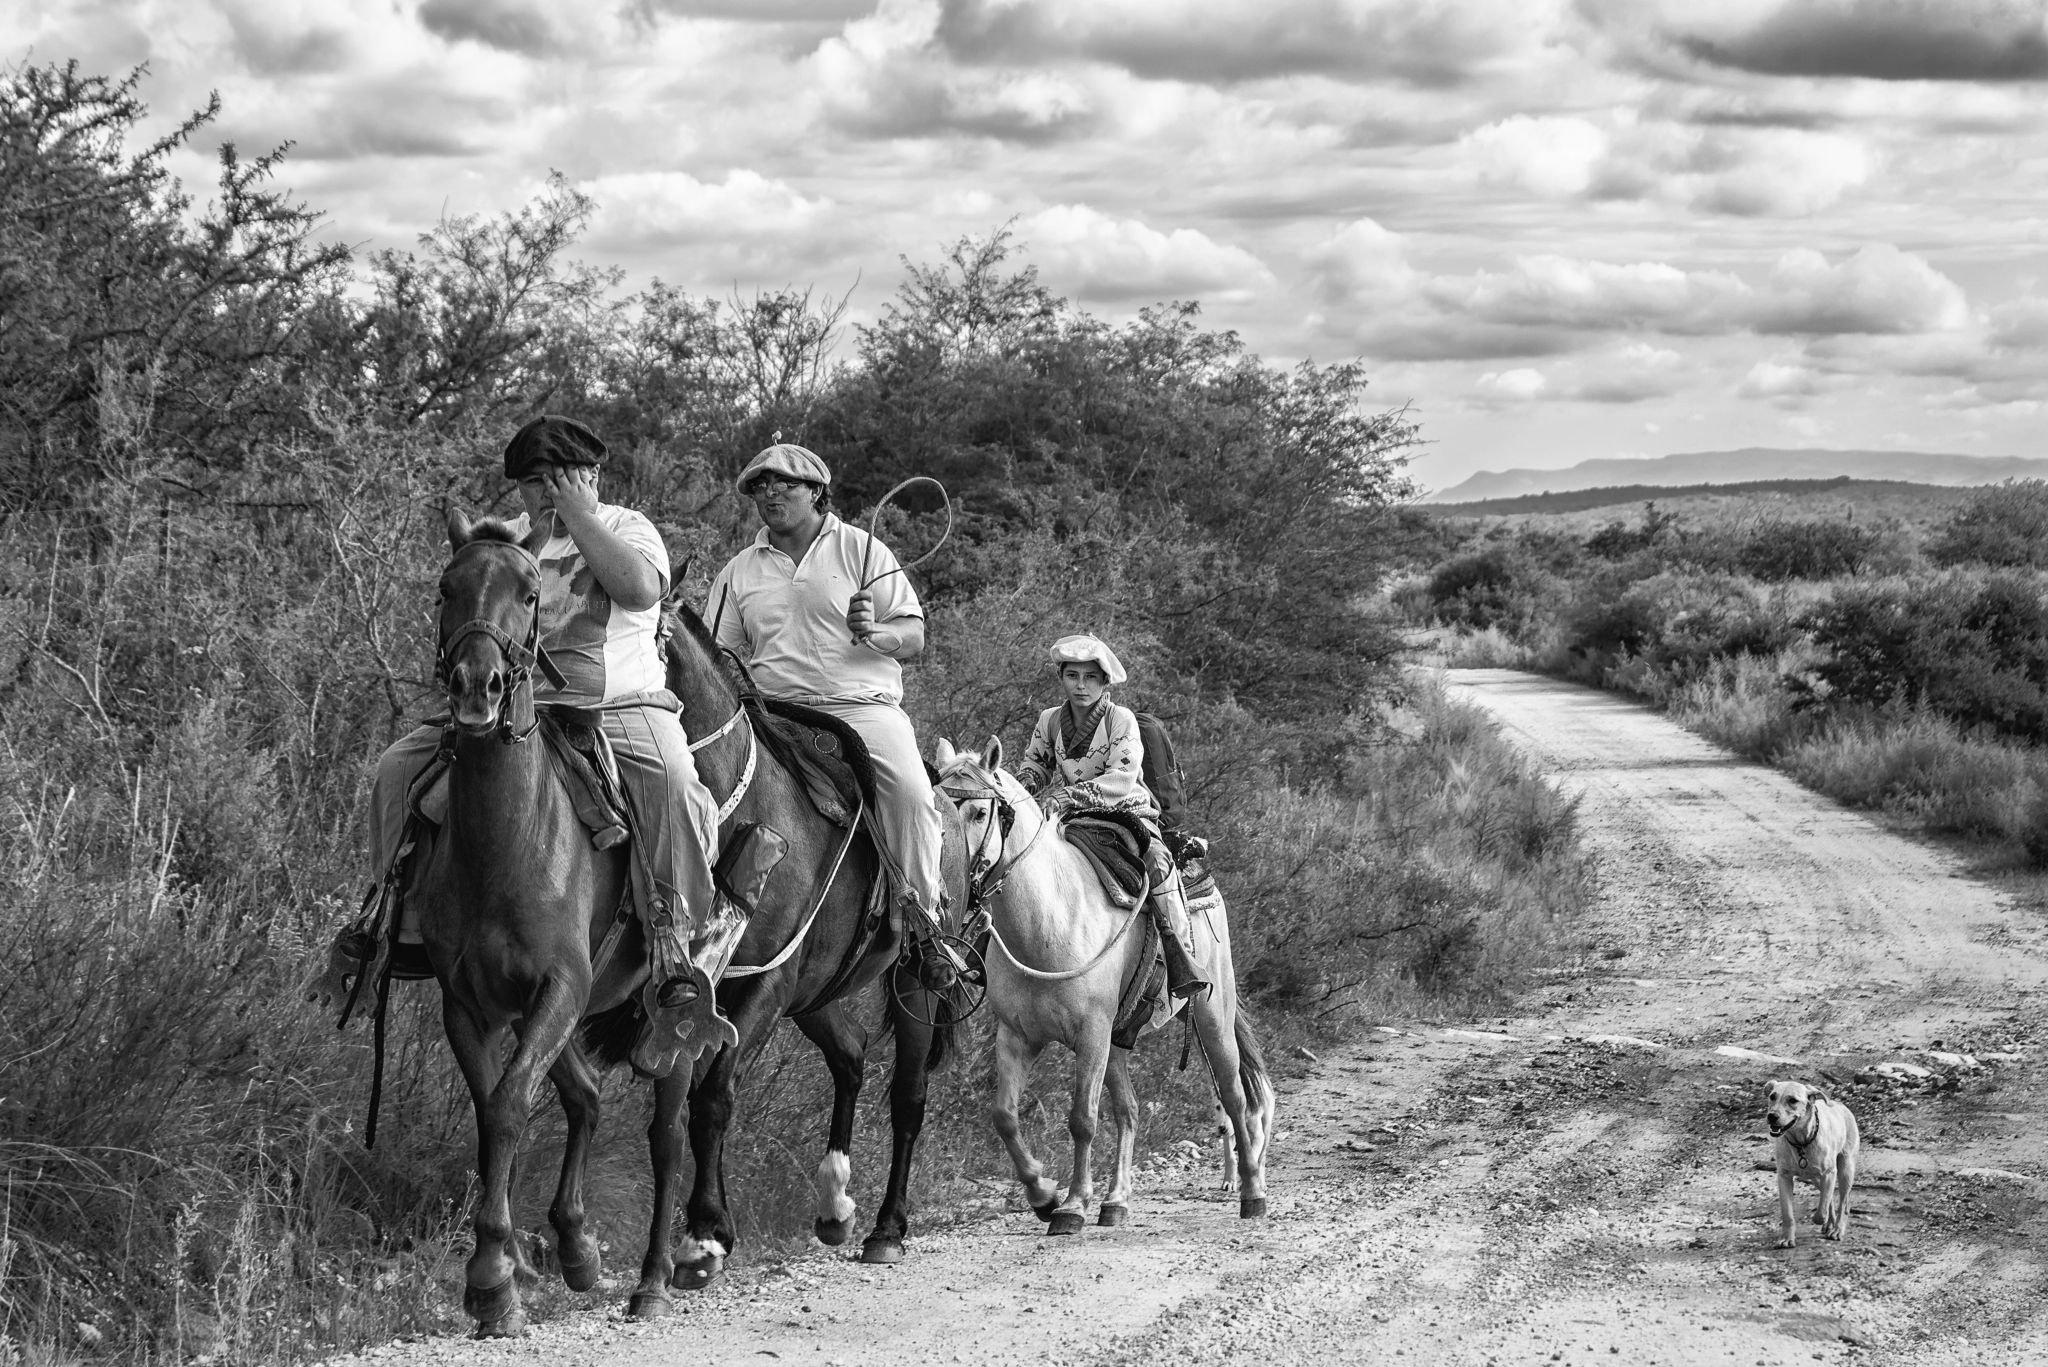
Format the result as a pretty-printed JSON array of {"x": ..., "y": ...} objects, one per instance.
[{"x": 787, "y": 619}]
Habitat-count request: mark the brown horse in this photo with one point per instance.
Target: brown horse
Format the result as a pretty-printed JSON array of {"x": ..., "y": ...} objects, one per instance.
[
  {"x": 818, "y": 953},
  {"x": 516, "y": 906}
]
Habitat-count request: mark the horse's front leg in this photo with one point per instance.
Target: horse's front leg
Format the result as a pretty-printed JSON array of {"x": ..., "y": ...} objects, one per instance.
[
  {"x": 709, "y": 1236},
  {"x": 576, "y": 1083},
  {"x": 650, "y": 1299},
  {"x": 844, "y": 1043},
  {"x": 503, "y": 1102},
  {"x": 1091, "y": 1058},
  {"x": 1014, "y": 1057},
  {"x": 1123, "y": 1119}
]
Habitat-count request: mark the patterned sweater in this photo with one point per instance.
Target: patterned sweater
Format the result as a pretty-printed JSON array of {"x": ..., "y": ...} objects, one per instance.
[{"x": 1108, "y": 777}]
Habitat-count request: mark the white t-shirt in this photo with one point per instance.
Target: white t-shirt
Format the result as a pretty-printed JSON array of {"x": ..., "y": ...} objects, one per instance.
[
  {"x": 603, "y": 650},
  {"x": 787, "y": 619}
]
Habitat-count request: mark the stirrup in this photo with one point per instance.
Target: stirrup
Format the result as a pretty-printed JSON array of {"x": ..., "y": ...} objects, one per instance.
[{"x": 672, "y": 1032}]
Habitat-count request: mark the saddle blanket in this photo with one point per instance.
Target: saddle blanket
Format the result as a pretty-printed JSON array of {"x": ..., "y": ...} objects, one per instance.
[{"x": 1116, "y": 851}]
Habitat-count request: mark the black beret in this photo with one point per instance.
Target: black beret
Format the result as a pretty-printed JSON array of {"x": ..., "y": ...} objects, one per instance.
[{"x": 551, "y": 440}]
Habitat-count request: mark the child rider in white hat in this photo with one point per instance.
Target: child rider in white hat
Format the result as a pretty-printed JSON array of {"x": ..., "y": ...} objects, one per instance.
[{"x": 1086, "y": 755}]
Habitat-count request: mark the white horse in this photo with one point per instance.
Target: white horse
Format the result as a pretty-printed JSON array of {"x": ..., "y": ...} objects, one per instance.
[{"x": 1060, "y": 953}]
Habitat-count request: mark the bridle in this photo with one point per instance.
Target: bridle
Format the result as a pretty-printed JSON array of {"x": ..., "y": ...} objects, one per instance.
[
  {"x": 522, "y": 658},
  {"x": 987, "y": 873}
]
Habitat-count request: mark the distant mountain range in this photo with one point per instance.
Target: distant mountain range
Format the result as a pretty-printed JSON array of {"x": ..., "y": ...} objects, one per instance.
[{"x": 1746, "y": 466}]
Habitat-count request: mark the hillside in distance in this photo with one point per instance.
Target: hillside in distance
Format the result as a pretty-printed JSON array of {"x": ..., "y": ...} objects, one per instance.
[
  {"x": 1747, "y": 466},
  {"x": 1915, "y": 508}
]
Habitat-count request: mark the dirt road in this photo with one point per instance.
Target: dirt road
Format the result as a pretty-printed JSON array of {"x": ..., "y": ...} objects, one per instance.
[{"x": 1575, "y": 1182}]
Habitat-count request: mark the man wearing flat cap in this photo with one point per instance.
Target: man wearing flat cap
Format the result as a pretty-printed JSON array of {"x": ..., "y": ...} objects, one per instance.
[
  {"x": 604, "y": 573},
  {"x": 795, "y": 607}
]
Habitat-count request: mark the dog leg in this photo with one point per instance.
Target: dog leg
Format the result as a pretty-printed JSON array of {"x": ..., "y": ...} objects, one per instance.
[
  {"x": 1845, "y": 1182},
  {"x": 1830, "y": 1221},
  {"x": 1786, "y": 1216}
]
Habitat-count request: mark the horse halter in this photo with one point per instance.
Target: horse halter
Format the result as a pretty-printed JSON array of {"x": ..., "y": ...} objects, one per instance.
[
  {"x": 982, "y": 880},
  {"x": 520, "y": 657}
]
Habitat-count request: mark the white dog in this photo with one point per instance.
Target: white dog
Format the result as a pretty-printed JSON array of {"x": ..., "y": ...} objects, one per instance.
[{"x": 1817, "y": 1142}]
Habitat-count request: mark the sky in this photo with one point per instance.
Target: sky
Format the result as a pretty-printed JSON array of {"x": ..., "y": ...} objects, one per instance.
[{"x": 1556, "y": 229}]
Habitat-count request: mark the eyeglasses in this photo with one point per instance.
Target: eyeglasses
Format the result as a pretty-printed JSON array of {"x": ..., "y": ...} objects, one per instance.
[{"x": 762, "y": 484}]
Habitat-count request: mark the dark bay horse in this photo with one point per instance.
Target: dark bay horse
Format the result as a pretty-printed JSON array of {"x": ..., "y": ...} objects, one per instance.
[{"x": 516, "y": 906}]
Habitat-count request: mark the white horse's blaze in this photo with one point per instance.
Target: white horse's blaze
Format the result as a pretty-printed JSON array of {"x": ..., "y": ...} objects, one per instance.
[
  {"x": 692, "y": 1250},
  {"x": 833, "y": 1175}
]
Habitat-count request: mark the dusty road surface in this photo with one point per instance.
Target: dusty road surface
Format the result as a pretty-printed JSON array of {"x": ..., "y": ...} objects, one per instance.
[{"x": 1576, "y": 1182}]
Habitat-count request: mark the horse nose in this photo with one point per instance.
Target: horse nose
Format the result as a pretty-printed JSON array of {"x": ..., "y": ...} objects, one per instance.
[{"x": 464, "y": 683}]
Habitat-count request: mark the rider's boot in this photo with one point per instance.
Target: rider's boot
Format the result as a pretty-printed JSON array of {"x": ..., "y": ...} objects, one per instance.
[
  {"x": 681, "y": 1001},
  {"x": 1169, "y": 913}
]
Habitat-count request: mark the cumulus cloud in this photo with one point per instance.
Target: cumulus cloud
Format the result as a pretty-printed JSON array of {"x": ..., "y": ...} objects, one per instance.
[
  {"x": 1879, "y": 289},
  {"x": 1110, "y": 258},
  {"x": 1732, "y": 168},
  {"x": 1561, "y": 291},
  {"x": 1520, "y": 385},
  {"x": 502, "y": 24},
  {"x": 886, "y": 76},
  {"x": 1546, "y": 304},
  {"x": 670, "y": 208},
  {"x": 1632, "y": 373},
  {"x": 285, "y": 38},
  {"x": 1784, "y": 381},
  {"x": 1554, "y": 156},
  {"x": 1421, "y": 42},
  {"x": 1887, "y": 40}
]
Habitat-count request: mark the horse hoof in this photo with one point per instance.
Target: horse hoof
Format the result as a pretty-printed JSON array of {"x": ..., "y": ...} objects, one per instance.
[
  {"x": 492, "y": 1305},
  {"x": 649, "y": 1305},
  {"x": 581, "y": 1267},
  {"x": 832, "y": 1232},
  {"x": 882, "y": 1248},
  {"x": 1112, "y": 1215},
  {"x": 1066, "y": 1222},
  {"x": 1252, "y": 1208},
  {"x": 1045, "y": 1212},
  {"x": 510, "y": 1326},
  {"x": 707, "y": 1271}
]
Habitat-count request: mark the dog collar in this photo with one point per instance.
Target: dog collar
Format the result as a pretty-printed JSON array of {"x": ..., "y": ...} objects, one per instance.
[{"x": 1812, "y": 1133}]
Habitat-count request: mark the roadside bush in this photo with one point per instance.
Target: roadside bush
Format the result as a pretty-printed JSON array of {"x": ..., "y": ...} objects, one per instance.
[
  {"x": 1974, "y": 651},
  {"x": 1776, "y": 551},
  {"x": 1496, "y": 586},
  {"x": 1673, "y": 622},
  {"x": 1618, "y": 541},
  {"x": 2003, "y": 525}
]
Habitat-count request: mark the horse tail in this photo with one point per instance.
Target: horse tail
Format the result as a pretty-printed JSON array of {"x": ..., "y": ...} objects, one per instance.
[
  {"x": 608, "y": 1036},
  {"x": 960, "y": 1004},
  {"x": 1251, "y": 1064}
]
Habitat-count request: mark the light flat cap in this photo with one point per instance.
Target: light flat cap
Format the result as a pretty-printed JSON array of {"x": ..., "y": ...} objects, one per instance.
[
  {"x": 785, "y": 458},
  {"x": 1076, "y": 650}
]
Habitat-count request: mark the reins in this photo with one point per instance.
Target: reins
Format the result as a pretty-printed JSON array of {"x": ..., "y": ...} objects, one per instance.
[{"x": 983, "y": 888}]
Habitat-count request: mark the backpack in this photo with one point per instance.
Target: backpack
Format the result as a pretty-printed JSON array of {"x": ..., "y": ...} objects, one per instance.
[{"x": 1162, "y": 773}]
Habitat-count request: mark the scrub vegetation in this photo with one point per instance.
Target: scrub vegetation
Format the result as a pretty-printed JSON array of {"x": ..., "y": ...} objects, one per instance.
[
  {"x": 225, "y": 450},
  {"x": 1899, "y": 665}
]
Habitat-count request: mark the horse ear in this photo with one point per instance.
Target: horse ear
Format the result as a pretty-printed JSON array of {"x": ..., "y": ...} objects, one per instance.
[
  {"x": 460, "y": 528},
  {"x": 992, "y": 753},
  {"x": 537, "y": 537},
  {"x": 943, "y": 753}
]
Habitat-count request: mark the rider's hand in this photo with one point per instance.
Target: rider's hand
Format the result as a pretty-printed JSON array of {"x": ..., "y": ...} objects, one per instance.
[
  {"x": 860, "y": 615},
  {"x": 572, "y": 488},
  {"x": 860, "y": 620}
]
